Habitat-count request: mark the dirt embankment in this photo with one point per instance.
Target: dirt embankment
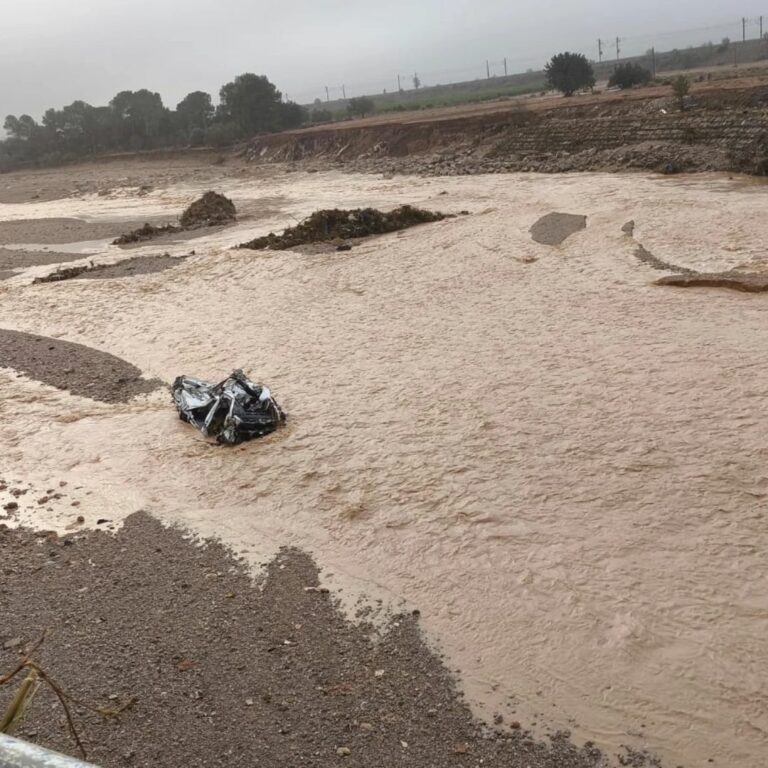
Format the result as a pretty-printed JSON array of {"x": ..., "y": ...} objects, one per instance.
[{"x": 720, "y": 130}]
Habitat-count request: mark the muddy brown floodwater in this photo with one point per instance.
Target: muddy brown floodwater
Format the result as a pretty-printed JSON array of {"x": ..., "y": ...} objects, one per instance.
[{"x": 559, "y": 463}]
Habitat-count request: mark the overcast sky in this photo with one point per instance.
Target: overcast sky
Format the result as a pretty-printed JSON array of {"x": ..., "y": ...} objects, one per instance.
[{"x": 55, "y": 51}]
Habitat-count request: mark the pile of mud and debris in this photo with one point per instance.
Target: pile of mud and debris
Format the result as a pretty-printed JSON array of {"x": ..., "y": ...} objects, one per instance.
[
  {"x": 127, "y": 268},
  {"x": 211, "y": 210},
  {"x": 338, "y": 226}
]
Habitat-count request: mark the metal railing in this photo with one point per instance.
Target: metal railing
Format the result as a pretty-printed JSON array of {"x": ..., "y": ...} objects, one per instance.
[{"x": 15, "y": 753}]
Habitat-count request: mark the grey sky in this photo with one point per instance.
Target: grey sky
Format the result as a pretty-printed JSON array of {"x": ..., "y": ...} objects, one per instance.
[{"x": 55, "y": 51}]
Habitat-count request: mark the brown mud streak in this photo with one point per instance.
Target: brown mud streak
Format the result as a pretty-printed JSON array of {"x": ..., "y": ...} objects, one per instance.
[
  {"x": 223, "y": 670},
  {"x": 139, "y": 265},
  {"x": 745, "y": 282},
  {"x": 644, "y": 255},
  {"x": 81, "y": 370}
]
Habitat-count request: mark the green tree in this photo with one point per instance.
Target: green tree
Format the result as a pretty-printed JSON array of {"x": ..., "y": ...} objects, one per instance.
[
  {"x": 251, "y": 103},
  {"x": 74, "y": 129},
  {"x": 361, "y": 106},
  {"x": 292, "y": 115},
  {"x": 20, "y": 127},
  {"x": 195, "y": 110},
  {"x": 142, "y": 116},
  {"x": 629, "y": 75},
  {"x": 416, "y": 82},
  {"x": 569, "y": 72},
  {"x": 680, "y": 87}
]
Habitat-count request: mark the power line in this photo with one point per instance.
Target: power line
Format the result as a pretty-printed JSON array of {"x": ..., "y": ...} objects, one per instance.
[{"x": 478, "y": 71}]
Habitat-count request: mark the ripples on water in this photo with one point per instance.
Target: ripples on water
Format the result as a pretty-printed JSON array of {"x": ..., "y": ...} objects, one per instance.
[{"x": 561, "y": 465}]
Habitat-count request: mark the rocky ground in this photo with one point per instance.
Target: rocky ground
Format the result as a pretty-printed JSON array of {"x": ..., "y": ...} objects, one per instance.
[
  {"x": 216, "y": 670},
  {"x": 74, "y": 367}
]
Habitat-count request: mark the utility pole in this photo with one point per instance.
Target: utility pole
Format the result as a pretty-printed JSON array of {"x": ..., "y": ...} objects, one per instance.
[
  {"x": 761, "y": 27},
  {"x": 618, "y": 48},
  {"x": 600, "y": 51},
  {"x": 344, "y": 92},
  {"x": 327, "y": 94},
  {"x": 653, "y": 61},
  {"x": 743, "y": 30},
  {"x": 487, "y": 69},
  {"x": 505, "y": 58},
  {"x": 398, "y": 84}
]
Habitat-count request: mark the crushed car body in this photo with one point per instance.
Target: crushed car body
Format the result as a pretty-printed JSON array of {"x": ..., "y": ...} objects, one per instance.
[{"x": 232, "y": 412}]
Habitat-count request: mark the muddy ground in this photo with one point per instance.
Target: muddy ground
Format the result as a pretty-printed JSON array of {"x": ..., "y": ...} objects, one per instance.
[
  {"x": 141, "y": 172},
  {"x": 61, "y": 231},
  {"x": 139, "y": 265},
  {"x": 73, "y": 367},
  {"x": 225, "y": 672}
]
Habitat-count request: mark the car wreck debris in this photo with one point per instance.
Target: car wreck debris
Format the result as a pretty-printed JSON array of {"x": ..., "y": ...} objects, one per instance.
[{"x": 232, "y": 412}]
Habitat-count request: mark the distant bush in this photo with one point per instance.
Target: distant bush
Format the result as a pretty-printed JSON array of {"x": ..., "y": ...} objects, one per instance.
[
  {"x": 361, "y": 106},
  {"x": 629, "y": 75},
  {"x": 321, "y": 116},
  {"x": 569, "y": 72},
  {"x": 680, "y": 87}
]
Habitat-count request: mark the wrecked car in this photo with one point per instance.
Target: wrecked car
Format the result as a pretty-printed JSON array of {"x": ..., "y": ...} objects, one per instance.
[{"x": 231, "y": 412}]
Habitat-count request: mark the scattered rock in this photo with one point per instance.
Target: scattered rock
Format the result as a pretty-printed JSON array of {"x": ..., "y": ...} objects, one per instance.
[
  {"x": 14, "y": 642},
  {"x": 11, "y": 506},
  {"x": 343, "y": 751},
  {"x": 629, "y": 228}
]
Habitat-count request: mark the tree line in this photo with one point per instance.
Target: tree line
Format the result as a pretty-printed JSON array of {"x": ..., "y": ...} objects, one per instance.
[{"x": 138, "y": 120}]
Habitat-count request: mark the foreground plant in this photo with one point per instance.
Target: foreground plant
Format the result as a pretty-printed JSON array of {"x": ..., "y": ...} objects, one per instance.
[{"x": 22, "y": 699}]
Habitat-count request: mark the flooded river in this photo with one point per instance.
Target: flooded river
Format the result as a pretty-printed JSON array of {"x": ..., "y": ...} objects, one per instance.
[{"x": 562, "y": 465}]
